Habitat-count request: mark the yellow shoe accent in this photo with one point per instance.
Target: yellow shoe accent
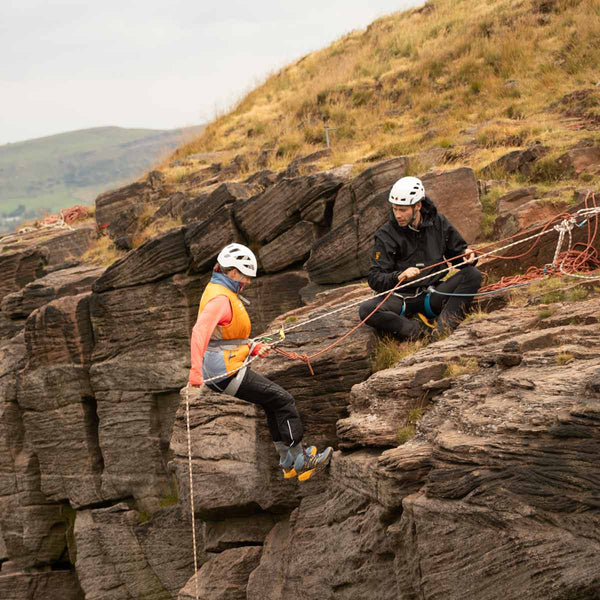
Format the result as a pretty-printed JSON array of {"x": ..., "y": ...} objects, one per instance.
[
  {"x": 426, "y": 320},
  {"x": 306, "y": 475},
  {"x": 289, "y": 473}
]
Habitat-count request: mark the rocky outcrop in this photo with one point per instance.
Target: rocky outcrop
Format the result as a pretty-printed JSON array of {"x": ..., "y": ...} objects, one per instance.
[
  {"x": 274, "y": 211},
  {"x": 490, "y": 484},
  {"x": 517, "y": 161},
  {"x": 118, "y": 211}
]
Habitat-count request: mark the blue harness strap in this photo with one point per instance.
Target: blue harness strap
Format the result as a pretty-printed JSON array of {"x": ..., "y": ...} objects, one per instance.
[{"x": 428, "y": 311}]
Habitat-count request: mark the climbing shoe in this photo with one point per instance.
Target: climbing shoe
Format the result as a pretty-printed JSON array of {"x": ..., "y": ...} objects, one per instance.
[
  {"x": 288, "y": 469},
  {"x": 307, "y": 465}
]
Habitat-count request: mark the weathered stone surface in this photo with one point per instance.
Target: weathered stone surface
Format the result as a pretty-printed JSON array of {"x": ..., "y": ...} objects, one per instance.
[
  {"x": 65, "y": 245},
  {"x": 230, "y": 469},
  {"x": 207, "y": 238},
  {"x": 157, "y": 258},
  {"x": 166, "y": 541},
  {"x": 525, "y": 216},
  {"x": 40, "y": 586},
  {"x": 456, "y": 195},
  {"x": 142, "y": 334},
  {"x": 273, "y": 295},
  {"x": 269, "y": 214},
  {"x": 19, "y": 267},
  {"x": 514, "y": 199},
  {"x": 359, "y": 210},
  {"x": 59, "y": 410},
  {"x": 240, "y": 531},
  {"x": 33, "y": 529},
  {"x": 204, "y": 206},
  {"x": 54, "y": 285},
  {"x": 111, "y": 563},
  {"x": 9, "y": 328},
  {"x": 334, "y": 546},
  {"x": 118, "y": 211},
  {"x": 224, "y": 577},
  {"x": 290, "y": 247},
  {"x": 517, "y": 161},
  {"x": 334, "y": 257},
  {"x": 581, "y": 160}
]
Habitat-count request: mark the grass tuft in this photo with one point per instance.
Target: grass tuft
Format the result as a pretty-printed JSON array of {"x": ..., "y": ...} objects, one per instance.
[{"x": 463, "y": 366}]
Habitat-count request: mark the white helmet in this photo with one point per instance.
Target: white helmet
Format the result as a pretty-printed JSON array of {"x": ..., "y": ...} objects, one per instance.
[
  {"x": 407, "y": 191},
  {"x": 240, "y": 257}
]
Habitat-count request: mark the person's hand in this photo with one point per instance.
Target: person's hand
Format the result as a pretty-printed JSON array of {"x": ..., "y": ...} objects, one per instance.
[
  {"x": 409, "y": 273},
  {"x": 264, "y": 350},
  {"x": 470, "y": 256}
]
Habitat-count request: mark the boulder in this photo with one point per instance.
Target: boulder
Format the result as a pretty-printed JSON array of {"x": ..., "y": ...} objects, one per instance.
[
  {"x": 545, "y": 247},
  {"x": 32, "y": 528},
  {"x": 526, "y": 215},
  {"x": 157, "y": 258},
  {"x": 206, "y": 238},
  {"x": 517, "y": 161},
  {"x": 334, "y": 546},
  {"x": 456, "y": 195},
  {"x": 118, "y": 211},
  {"x": 290, "y": 247},
  {"x": 581, "y": 160},
  {"x": 269, "y": 214},
  {"x": 224, "y": 577},
  {"x": 205, "y": 205},
  {"x": 66, "y": 245},
  {"x": 54, "y": 285},
  {"x": 515, "y": 199}
]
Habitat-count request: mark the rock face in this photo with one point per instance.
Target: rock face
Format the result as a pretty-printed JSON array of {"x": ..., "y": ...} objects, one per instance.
[
  {"x": 94, "y": 482},
  {"x": 487, "y": 501}
]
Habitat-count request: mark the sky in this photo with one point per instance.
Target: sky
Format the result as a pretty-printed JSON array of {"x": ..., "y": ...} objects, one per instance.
[{"x": 156, "y": 64}]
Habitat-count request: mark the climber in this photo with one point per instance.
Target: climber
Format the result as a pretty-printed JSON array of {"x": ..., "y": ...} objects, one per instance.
[
  {"x": 416, "y": 237},
  {"x": 220, "y": 348}
]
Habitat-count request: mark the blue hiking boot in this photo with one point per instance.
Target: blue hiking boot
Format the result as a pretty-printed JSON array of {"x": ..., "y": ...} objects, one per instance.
[
  {"x": 288, "y": 464},
  {"x": 307, "y": 465}
]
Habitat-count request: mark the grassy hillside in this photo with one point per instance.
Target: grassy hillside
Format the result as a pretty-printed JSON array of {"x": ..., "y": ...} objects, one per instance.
[
  {"x": 453, "y": 82},
  {"x": 60, "y": 170}
]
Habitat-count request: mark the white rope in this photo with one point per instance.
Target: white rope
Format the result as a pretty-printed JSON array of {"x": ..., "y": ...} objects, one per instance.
[
  {"x": 569, "y": 232},
  {"x": 189, "y": 442}
]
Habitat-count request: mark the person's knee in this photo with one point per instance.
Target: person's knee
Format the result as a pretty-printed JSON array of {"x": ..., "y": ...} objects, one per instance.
[
  {"x": 472, "y": 276},
  {"x": 365, "y": 309}
]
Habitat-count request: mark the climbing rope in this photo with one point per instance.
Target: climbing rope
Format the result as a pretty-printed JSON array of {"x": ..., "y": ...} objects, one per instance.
[{"x": 191, "y": 479}]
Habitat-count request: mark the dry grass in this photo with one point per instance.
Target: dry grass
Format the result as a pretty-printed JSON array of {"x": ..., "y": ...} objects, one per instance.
[
  {"x": 422, "y": 78},
  {"x": 563, "y": 358},
  {"x": 389, "y": 352},
  {"x": 103, "y": 252},
  {"x": 463, "y": 366}
]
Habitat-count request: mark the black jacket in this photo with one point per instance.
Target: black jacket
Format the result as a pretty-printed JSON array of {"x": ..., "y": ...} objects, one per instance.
[{"x": 396, "y": 248}]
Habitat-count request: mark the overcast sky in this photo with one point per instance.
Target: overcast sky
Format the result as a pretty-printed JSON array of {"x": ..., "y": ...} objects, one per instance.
[{"x": 160, "y": 64}]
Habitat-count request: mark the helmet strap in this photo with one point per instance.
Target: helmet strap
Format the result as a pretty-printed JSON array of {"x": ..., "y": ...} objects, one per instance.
[{"x": 412, "y": 219}]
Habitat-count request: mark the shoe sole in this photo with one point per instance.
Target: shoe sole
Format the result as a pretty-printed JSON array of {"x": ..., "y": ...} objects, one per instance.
[{"x": 308, "y": 474}]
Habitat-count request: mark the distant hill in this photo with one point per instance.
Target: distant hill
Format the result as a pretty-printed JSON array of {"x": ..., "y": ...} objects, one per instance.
[{"x": 54, "y": 172}]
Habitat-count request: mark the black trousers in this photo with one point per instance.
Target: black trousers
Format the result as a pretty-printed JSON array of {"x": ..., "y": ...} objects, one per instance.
[
  {"x": 279, "y": 406},
  {"x": 390, "y": 319}
]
